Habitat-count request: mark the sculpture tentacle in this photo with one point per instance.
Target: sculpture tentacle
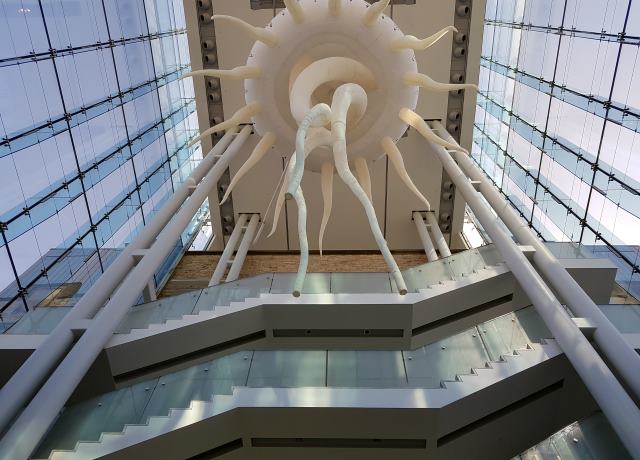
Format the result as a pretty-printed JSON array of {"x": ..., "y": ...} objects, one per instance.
[
  {"x": 239, "y": 73},
  {"x": 280, "y": 199},
  {"x": 415, "y": 120},
  {"x": 326, "y": 179},
  {"x": 364, "y": 178},
  {"x": 241, "y": 116},
  {"x": 334, "y": 7},
  {"x": 261, "y": 149},
  {"x": 295, "y": 9},
  {"x": 344, "y": 96},
  {"x": 391, "y": 149},
  {"x": 274, "y": 195},
  {"x": 424, "y": 81},
  {"x": 304, "y": 243},
  {"x": 318, "y": 138},
  {"x": 374, "y": 12},
  {"x": 413, "y": 43},
  {"x": 317, "y": 117},
  {"x": 268, "y": 38}
]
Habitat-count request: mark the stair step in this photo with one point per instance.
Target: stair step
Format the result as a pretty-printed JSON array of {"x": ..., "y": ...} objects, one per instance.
[{"x": 462, "y": 386}]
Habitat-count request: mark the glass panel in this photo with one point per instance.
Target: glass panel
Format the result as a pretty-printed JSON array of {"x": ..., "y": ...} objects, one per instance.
[
  {"x": 505, "y": 334},
  {"x": 354, "y": 283},
  {"x": 592, "y": 438},
  {"x": 140, "y": 317},
  {"x": 75, "y": 24},
  {"x": 465, "y": 263},
  {"x": 423, "y": 276},
  {"x": 198, "y": 383},
  {"x": 39, "y": 321},
  {"x": 126, "y": 18},
  {"x": 428, "y": 366},
  {"x": 33, "y": 87},
  {"x": 366, "y": 369},
  {"x": 235, "y": 291},
  {"x": 89, "y": 419},
  {"x": 626, "y": 318},
  {"x": 569, "y": 250},
  {"x": 17, "y": 21},
  {"x": 86, "y": 78},
  {"x": 596, "y": 16},
  {"x": 490, "y": 254},
  {"x": 314, "y": 283},
  {"x": 281, "y": 369}
]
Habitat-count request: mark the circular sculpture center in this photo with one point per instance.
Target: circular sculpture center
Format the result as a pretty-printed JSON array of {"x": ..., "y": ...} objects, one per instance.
[{"x": 314, "y": 57}]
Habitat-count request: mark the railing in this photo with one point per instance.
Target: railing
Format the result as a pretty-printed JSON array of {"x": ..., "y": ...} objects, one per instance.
[
  {"x": 425, "y": 367},
  {"x": 587, "y": 439},
  {"x": 43, "y": 320}
]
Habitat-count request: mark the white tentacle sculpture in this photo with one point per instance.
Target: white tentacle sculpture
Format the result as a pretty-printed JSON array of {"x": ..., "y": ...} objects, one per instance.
[
  {"x": 343, "y": 98},
  {"x": 332, "y": 99}
]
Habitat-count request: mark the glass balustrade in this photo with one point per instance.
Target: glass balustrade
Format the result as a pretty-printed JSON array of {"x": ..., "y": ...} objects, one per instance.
[
  {"x": 588, "y": 439},
  {"x": 455, "y": 267},
  {"x": 425, "y": 367},
  {"x": 43, "y": 320}
]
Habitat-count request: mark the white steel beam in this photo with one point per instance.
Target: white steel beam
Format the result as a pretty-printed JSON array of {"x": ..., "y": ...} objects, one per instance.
[
  {"x": 230, "y": 247},
  {"x": 245, "y": 243},
  {"x": 427, "y": 244},
  {"x": 438, "y": 237},
  {"x": 29, "y": 376},
  {"x": 617, "y": 350},
  {"x": 619, "y": 408}
]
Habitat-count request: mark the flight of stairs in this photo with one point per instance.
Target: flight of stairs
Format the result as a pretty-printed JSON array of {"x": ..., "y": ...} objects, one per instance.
[
  {"x": 243, "y": 397},
  {"x": 159, "y": 324}
]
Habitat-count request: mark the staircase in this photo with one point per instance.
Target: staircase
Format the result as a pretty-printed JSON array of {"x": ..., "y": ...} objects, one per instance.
[
  {"x": 493, "y": 351},
  {"x": 231, "y": 297},
  {"x": 243, "y": 397}
]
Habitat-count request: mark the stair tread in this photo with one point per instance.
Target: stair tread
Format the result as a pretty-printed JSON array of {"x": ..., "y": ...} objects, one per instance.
[{"x": 463, "y": 385}]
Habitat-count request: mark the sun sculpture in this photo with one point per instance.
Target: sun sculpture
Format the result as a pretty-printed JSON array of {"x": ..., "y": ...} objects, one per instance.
[{"x": 336, "y": 82}]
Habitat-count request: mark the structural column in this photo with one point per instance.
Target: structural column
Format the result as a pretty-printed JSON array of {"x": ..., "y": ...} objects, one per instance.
[
  {"x": 437, "y": 234},
  {"x": 241, "y": 254},
  {"x": 232, "y": 243},
  {"x": 427, "y": 244}
]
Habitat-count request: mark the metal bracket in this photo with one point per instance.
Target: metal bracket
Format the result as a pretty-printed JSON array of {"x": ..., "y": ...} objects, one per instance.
[
  {"x": 80, "y": 326},
  {"x": 585, "y": 325},
  {"x": 528, "y": 251},
  {"x": 149, "y": 293}
]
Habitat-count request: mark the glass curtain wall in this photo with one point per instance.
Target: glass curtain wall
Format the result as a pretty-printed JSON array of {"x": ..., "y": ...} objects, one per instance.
[
  {"x": 94, "y": 124},
  {"x": 557, "y": 123}
]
